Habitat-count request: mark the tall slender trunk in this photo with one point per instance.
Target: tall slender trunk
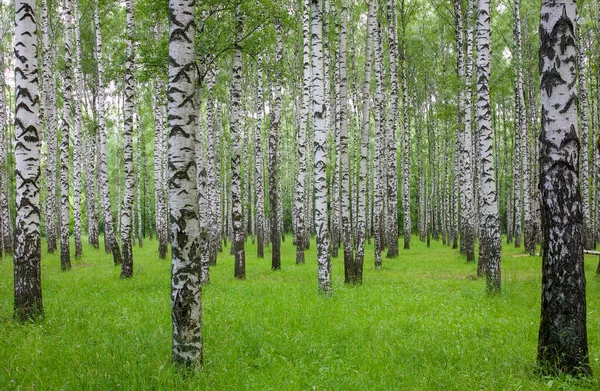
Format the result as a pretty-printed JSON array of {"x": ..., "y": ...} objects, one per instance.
[
  {"x": 489, "y": 228},
  {"x": 212, "y": 173},
  {"x": 302, "y": 152},
  {"x": 584, "y": 159},
  {"x": 562, "y": 339},
  {"x": 406, "y": 135},
  {"x": 139, "y": 181},
  {"x": 320, "y": 126},
  {"x": 378, "y": 169},
  {"x": 186, "y": 291},
  {"x": 274, "y": 175},
  {"x": 345, "y": 174},
  {"x": 237, "y": 245},
  {"x": 160, "y": 190},
  {"x": 467, "y": 207},
  {"x": 520, "y": 161},
  {"x": 77, "y": 136},
  {"x": 107, "y": 216},
  {"x": 127, "y": 206},
  {"x": 65, "y": 252},
  {"x": 27, "y": 258},
  {"x": 49, "y": 101},
  {"x": 392, "y": 172},
  {"x": 259, "y": 164}
]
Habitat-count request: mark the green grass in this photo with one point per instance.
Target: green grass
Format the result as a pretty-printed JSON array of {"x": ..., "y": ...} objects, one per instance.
[{"x": 423, "y": 322}]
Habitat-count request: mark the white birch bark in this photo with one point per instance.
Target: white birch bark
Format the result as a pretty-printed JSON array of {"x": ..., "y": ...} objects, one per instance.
[
  {"x": 139, "y": 181},
  {"x": 186, "y": 291},
  {"x": 27, "y": 256},
  {"x": 274, "y": 174},
  {"x": 562, "y": 338},
  {"x": 392, "y": 172},
  {"x": 65, "y": 253},
  {"x": 160, "y": 190},
  {"x": 49, "y": 101},
  {"x": 378, "y": 169},
  {"x": 521, "y": 173},
  {"x": 213, "y": 183},
  {"x": 237, "y": 244},
  {"x": 588, "y": 240},
  {"x": 467, "y": 207},
  {"x": 77, "y": 136},
  {"x": 259, "y": 173},
  {"x": 489, "y": 227},
  {"x": 406, "y": 137},
  {"x": 320, "y": 128},
  {"x": 302, "y": 135},
  {"x": 346, "y": 223},
  {"x": 127, "y": 205}
]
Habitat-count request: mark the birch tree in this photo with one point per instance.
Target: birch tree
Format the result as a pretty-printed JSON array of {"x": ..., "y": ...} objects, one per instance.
[
  {"x": 406, "y": 137},
  {"x": 274, "y": 174},
  {"x": 392, "y": 172},
  {"x": 302, "y": 134},
  {"x": 259, "y": 173},
  {"x": 49, "y": 101},
  {"x": 160, "y": 190},
  {"x": 562, "y": 339},
  {"x": 588, "y": 239},
  {"x": 520, "y": 159},
  {"x": 77, "y": 136},
  {"x": 344, "y": 169},
  {"x": 489, "y": 235},
  {"x": 319, "y": 120},
  {"x": 65, "y": 252},
  {"x": 127, "y": 206},
  {"x": 186, "y": 291},
  {"x": 28, "y": 253},
  {"x": 237, "y": 244}
]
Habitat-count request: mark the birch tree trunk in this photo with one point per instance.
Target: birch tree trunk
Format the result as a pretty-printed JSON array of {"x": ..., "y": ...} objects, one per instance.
[
  {"x": 562, "y": 339},
  {"x": 27, "y": 257},
  {"x": 5, "y": 224},
  {"x": 319, "y": 118},
  {"x": 186, "y": 291},
  {"x": 274, "y": 176},
  {"x": 259, "y": 165},
  {"x": 588, "y": 239},
  {"x": 160, "y": 191},
  {"x": 77, "y": 136},
  {"x": 406, "y": 134},
  {"x": 107, "y": 216},
  {"x": 489, "y": 234},
  {"x": 349, "y": 272},
  {"x": 467, "y": 207},
  {"x": 378, "y": 172},
  {"x": 236, "y": 133},
  {"x": 392, "y": 172},
  {"x": 212, "y": 173},
  {"x": 65, "y": 253},
  {"x": 301, "y": 143},
  {"x": 139, "y": 180},
  {"x": 49, "y": 90},
  {"x": 521, "y": 176},
  {"x": 127, "y": 208}
]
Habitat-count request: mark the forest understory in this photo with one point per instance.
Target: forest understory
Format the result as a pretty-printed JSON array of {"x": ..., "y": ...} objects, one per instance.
[{"x": 421, "y": 322}]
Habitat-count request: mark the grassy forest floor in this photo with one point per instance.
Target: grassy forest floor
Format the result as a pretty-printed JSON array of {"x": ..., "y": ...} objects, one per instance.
[{"x": 423, "y": 322}]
